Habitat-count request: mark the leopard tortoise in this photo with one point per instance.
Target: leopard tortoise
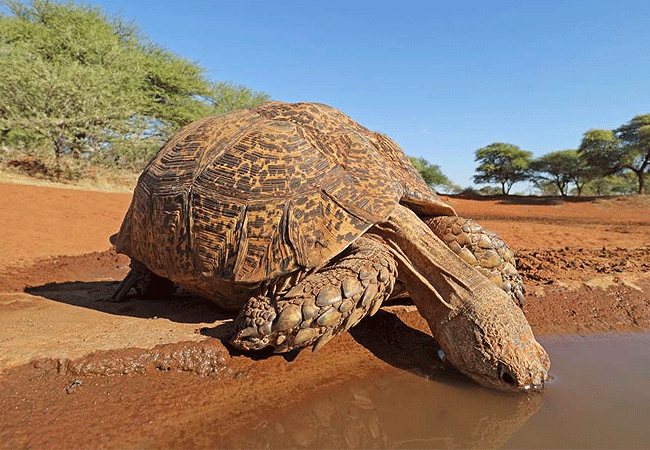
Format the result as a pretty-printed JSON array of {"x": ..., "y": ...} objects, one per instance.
[{"x": 304, "y": 222}]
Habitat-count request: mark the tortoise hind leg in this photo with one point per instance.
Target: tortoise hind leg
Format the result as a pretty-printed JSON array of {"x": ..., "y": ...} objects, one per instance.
[
  {"x": 321, "y": 305},
  {"x": 147, "y": 284},
  {"x": 124, "y": 287},
  {"x": 483, "y": 250}
]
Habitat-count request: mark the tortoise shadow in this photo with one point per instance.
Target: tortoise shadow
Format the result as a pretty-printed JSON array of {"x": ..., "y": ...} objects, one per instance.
[
  {"x": 179, "y": 307},
  {"x": 384, "y": 335},
  {"x": 389, "y": 339}
]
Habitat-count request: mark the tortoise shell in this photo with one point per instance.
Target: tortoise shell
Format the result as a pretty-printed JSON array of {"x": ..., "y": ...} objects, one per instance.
[{"x": 258, "y": 193}]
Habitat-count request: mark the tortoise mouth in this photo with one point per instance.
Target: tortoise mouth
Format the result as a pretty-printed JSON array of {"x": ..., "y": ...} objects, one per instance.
[
  {"x": 533, "y": 388},
  {"x": 531, "y": 383},
  {"x": 507, "y": 380}
]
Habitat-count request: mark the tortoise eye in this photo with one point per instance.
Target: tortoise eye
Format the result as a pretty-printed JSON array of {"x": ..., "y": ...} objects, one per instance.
[{"x": 506, "y": 376}]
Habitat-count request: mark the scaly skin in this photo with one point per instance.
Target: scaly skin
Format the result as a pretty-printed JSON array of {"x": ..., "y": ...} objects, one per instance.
[
  {"x": 146, "y": 284},
  {"x": 322, "y": 304},
  {"x": 482, "y": 332},
  {"x": 482, "y": 250}
]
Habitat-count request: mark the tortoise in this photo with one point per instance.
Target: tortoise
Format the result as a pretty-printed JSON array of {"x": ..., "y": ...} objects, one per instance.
[{"x": 305, "y": 222}]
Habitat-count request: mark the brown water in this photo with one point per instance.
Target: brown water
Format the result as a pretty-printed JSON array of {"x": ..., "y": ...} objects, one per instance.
[{"x": 599, "y": 398}]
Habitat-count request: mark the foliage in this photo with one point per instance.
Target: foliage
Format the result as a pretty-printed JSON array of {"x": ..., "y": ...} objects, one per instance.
[
  {"x": 489, "y": 190},
  {"x": 77, "y": 83},
  {"x": 635, "y": 139},
  {"x": 502, "y": 163},
  {"x": 617, "y": 184},
  {"x": 546, "y": 187},
  {"x": 602, "y": 151},
  {"x": 432, "y": 174},
  {"x": 227, "y": 96},
  {"x": 627, "y": 148},
  {"x": 561, "y": 168}
]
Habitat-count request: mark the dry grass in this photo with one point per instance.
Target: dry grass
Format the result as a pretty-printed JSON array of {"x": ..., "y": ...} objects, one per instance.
[{"x": 103, "y": 180}]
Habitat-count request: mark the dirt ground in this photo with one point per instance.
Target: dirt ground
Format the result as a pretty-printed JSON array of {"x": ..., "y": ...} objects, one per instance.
[{"x": 80, "y": 372}]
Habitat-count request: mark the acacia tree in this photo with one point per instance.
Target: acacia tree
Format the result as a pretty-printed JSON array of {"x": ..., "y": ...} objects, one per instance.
[
  {"x": 65, "y": 77},
  {"x": 432, "y": 174},
  {"x": 92, "y": 86},
  {"x": 502, "y": 163},
  {"x": 561, "y": 168},
  {"x": 634, "y": 137},
  {"x": 627, "y": 148},
  {"x": 617, "y": 184}
]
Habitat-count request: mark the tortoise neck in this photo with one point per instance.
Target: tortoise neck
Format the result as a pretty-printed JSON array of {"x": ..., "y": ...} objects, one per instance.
[{"x": 439, "y": 282}]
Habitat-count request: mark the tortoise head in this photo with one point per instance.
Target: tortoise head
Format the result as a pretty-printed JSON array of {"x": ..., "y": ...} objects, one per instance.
[
  {"x": 492, "y": 343},
  {"x": 480, "y": 329}
]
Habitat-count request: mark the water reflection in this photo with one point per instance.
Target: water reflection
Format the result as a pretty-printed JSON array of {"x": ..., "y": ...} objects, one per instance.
[
  {"x": 599, "y": 398},
  {"x": 396, "y": 410}
]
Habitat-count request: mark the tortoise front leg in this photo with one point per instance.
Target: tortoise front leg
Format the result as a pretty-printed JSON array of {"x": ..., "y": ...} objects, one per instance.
[
  {"x": 483, "y": 250},
  {"x": 321, "y": 305}
]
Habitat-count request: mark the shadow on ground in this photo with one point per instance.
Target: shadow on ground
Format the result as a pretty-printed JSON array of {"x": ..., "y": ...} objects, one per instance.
[
  {"x": 388, "y": 338},
  {"x": 180, "y": 308},
  {"x": 530, "y": 199},
  {"x": 384, "y": 335}
]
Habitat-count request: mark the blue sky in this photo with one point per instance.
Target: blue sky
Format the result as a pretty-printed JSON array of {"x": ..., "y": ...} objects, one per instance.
[{"x": 441, "y": 78}]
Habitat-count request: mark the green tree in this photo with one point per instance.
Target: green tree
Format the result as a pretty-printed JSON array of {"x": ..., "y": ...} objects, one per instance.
[
  {"x": 502, "y": 163},
  {"x": 92, "y": 87},
  {"x": 546, "y": 187},
  {"x": 432, "y": 174},
  {"x": 627, "y": 148},
  {"x": 634, "y": 137},
  {"x": 65, "y": 79},
  {"x": 562, "y": 168},
  {"x": 617, "y": 184}
]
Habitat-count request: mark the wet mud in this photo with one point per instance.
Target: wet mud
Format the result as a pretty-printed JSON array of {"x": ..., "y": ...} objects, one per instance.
[
  {"x": 598, "y": 398},
  {"x": 203, "y": 358}
]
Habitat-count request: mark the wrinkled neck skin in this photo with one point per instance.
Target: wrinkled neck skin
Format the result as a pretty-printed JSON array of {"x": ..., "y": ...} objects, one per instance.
[{"x": 482, "y": 332}]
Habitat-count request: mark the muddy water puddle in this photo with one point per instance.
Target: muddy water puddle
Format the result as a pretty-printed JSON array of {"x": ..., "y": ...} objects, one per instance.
[{"x": 599, "y": 398}]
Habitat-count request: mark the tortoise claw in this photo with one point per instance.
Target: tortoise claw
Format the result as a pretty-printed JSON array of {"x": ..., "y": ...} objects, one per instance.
[{"x": 519, "y": 294}]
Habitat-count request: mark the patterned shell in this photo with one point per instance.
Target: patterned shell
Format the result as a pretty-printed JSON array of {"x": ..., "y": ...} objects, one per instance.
[{"x": 258, "y": 193}]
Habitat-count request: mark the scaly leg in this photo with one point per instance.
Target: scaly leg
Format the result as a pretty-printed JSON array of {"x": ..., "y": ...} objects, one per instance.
[
  {"x": 483, "y": 250},
  {"x": 147, "y": 284},
  {"x": 324, "y": 303}
]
